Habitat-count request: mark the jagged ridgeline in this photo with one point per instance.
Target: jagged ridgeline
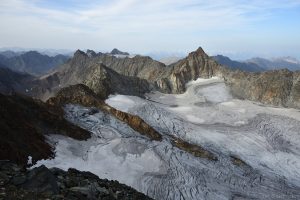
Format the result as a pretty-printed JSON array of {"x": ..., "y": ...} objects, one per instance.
[{"x": 106, "y": 73}]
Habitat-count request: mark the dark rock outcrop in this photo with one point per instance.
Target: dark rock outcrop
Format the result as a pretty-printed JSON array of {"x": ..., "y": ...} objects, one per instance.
[
  {"x": 44, "y": 183},
  {"x": 193, "y": 149},
  {"x": 24, "y": 122},
  {"x": 81, "y": 94}
]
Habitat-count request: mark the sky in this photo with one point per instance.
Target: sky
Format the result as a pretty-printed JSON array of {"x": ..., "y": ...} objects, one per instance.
[{"x": 236, "y": 28}]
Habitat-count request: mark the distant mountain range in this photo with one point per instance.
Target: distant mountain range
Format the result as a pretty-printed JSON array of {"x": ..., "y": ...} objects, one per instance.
[
  {"x": 277, "y": 63},
  {"x": 31, "y": 62},
  {"x": 259, "y": 64},
  {"x": 244, "y": 66}
]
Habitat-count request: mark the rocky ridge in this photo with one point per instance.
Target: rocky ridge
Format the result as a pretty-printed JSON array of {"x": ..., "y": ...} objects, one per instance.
[
  {"x": 106, "y": 74},
  {"x": 101, "y": 79},
  {"x": 169, "y": 79}
]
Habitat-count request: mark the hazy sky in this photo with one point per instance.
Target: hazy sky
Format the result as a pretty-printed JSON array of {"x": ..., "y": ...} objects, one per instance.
[{"x": 232, "y": 27}]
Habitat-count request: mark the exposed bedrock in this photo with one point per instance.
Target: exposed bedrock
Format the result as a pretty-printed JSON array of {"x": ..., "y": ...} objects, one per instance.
[{"x": 279, "y": 88}]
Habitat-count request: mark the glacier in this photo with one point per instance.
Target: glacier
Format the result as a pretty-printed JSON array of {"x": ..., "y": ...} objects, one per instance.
[{"x": 257, "y": 146}]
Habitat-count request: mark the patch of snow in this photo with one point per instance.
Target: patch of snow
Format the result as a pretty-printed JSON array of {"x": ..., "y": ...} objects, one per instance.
[
  {"x": 29, "y": 160},
  {"x": 117, "y": 159},
  {"x": 121, "y": 102}
]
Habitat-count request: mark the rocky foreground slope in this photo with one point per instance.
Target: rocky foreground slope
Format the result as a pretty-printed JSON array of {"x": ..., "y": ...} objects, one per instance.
[{"x": 43, "y": 183}]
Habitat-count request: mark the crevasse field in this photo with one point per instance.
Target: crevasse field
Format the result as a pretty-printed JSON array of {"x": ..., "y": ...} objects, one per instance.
[{"x": 266, "y": 139}]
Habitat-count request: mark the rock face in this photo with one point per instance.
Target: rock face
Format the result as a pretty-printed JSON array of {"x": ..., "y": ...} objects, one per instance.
[
  {"x": 196, "y": 65},
  {"x": 279, "y": 88},
  {"x": 44, "y": 183},
  {"x": 81, "y": 94},
  {"x": 24, "y": 122}
]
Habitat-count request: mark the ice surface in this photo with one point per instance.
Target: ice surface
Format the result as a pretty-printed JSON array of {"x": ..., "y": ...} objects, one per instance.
[
  {"x": 109, "y": 153},
  {"x": 267, "y": 139}
]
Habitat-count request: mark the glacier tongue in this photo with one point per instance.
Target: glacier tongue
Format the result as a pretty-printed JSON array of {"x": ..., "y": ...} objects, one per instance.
[{"x": 257, "y": 146}]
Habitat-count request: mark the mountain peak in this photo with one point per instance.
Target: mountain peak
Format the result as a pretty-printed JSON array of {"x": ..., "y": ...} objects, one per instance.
[
  {"x": 91, "y": 53},
  {"x": 198, "y": 52},
  {"x": 79, "y": 53},
  {"x": 116, "y": 51}
]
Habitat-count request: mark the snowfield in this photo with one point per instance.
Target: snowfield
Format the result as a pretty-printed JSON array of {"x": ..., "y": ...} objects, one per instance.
[{"x": 258, "y": 147}]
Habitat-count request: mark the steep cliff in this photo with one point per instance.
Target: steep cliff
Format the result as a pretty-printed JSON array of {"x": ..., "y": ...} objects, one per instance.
[{"x": 276, "y": 87}]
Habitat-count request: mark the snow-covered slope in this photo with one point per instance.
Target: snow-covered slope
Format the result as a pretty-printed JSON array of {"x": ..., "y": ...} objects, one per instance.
[{"x": 257, "y": 147}]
